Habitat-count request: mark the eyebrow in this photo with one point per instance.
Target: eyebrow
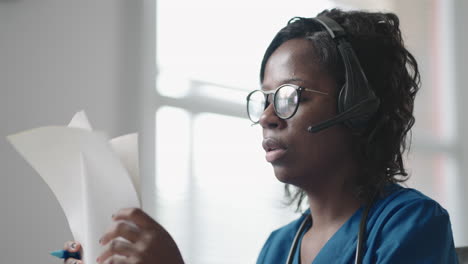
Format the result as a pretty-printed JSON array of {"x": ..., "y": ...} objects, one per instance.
[{"x": 290, "y": 80}]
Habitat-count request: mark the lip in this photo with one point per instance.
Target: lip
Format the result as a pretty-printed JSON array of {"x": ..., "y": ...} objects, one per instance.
[{"x": 274, "y": 149}]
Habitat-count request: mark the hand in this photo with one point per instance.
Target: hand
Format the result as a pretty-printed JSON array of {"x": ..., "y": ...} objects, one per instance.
[
  {"x": 148, "y": 242},
  {"x": 72, "y": 246}
]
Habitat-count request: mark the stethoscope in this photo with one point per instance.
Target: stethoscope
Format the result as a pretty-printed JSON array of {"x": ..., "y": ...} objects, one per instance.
[{"x": 360, "y": 240}]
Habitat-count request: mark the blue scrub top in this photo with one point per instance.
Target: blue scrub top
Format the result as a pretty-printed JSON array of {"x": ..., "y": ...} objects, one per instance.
[{"x": 403, "y": 227}]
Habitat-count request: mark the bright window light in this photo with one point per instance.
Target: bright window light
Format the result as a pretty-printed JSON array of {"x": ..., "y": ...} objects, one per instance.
[
  {"x": 172, "y": 152},
  {"x": 223, "y": 42},
  {"x": 234, "y": 184}
]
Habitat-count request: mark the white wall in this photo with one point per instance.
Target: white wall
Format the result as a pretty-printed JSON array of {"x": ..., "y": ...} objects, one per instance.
[
  {"x": 58, "y": 57},
  {"x": 460, "y": 41}
]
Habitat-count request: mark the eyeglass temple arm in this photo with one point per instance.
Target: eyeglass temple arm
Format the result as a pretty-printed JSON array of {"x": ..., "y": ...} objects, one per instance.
[{"x": 315, "y": 91}]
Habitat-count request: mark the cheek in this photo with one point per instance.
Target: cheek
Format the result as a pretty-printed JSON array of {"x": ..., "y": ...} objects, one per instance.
[
  {"x": 312, "y": 156},
  {"x": 312, "y": 113},
  {"x": 314, "y": 153},
  {"x": 321, "y": 151}
]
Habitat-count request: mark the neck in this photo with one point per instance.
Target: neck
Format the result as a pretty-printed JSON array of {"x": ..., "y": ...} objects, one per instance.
[
  {"x": 333, "y": 201},
  {"x": 332, "y": 207}
]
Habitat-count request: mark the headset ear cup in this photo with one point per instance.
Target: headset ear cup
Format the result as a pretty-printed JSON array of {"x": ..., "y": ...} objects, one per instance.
[
  {"x": 345, "y": 103},
  {"x": 366, "y": 107},
  {"x": 342, "y": 99},
  {"x": 356, "y": 102},
  {"x": 366, "y": 110}
]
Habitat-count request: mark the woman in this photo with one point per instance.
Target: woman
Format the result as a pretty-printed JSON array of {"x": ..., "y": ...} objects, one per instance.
[{"x": 336, "y": 104}]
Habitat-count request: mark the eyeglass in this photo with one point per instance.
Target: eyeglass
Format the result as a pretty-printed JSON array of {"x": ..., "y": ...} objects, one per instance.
[{"x": 286, "y": 100}]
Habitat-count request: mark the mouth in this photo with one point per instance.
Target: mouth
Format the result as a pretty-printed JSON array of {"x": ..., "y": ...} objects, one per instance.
[{"x": 274, "y": 149}]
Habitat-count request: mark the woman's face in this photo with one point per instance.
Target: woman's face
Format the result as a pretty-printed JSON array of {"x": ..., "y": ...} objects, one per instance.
[{"x": 299, "y": 157}]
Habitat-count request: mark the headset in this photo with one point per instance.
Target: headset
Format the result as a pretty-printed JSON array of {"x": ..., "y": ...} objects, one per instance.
[{"x": 357, "y": 103}]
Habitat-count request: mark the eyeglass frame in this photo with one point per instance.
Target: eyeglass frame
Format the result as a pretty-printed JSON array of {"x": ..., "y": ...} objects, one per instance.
[{"x": 299, "y": 90}]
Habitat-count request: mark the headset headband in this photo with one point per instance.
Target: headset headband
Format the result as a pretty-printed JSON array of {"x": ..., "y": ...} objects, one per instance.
[{"x": 333, "y": 28}]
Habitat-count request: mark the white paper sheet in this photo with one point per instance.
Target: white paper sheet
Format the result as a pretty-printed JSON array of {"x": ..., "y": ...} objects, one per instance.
[
  {"x": 126, "y": 147},
  {"x": 88, "y": 175}
]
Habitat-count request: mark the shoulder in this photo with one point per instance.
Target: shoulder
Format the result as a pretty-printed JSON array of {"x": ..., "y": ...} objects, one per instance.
[
  {"x": 408, "y": 224},
  {"x": 276, "y": 248},
  {"x": 406, "y": 206},
  {"x": 399, "y": 200}
]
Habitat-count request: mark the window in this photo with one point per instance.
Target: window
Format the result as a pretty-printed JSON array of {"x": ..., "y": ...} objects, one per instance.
[{"x": 216, "y": 194}]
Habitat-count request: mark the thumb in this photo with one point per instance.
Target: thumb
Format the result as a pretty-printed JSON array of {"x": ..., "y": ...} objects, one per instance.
[{"x": 72, "y": 246}]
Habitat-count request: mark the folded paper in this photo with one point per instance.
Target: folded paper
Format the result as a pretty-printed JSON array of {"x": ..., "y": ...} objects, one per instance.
[{"x": 90, "y": 176}]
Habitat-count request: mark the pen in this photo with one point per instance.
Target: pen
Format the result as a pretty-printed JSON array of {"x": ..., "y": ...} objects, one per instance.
[{"x": 63, "y": 254}]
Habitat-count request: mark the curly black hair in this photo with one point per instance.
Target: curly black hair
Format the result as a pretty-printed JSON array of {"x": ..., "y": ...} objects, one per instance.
[{"x": 393, "y": 74}]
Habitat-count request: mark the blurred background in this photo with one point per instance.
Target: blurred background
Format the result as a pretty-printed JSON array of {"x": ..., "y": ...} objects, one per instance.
[{"x": 178, "y": 73}]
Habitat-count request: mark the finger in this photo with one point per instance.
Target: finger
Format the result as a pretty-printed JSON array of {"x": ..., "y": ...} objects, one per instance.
[
  {"x": 121, "y": 228},
  {"x": 117, "y": 247},
  {"x": 116, "y": 259},
  {"x": 72, "y": 246},
  {"x": 73, "y": 261},
  {"x": 135, "y": 215}
]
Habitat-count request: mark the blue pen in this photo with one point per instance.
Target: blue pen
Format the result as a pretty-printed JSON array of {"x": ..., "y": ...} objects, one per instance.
[{"x": 65, "y": 254}]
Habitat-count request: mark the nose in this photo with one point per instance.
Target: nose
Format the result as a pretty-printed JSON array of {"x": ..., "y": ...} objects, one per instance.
[{"x": 269, "y": 119}]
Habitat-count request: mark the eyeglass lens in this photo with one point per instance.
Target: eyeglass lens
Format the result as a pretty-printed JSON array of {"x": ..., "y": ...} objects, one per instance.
[{"x": 285, "y": 102}]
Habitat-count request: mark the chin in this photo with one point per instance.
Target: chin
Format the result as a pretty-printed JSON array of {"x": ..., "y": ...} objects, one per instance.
[
  {"x": 285, "y": 175},
  {"x": 298, "y": 176}
]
